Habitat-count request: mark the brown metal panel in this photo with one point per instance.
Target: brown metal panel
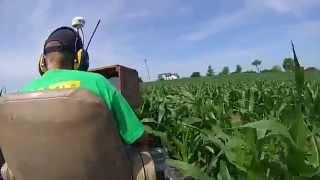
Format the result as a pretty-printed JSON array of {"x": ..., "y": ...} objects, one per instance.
[
  {"x": 125, "y": 79},
  {"x": 61, "y": 135},
  {"x": 130, "y": 85}
]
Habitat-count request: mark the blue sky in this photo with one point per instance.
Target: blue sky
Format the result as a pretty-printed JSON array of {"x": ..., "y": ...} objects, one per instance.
[{"x": 174, "y": 35}]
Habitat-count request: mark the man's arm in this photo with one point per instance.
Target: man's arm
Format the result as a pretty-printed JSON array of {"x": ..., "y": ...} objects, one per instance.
[
  {"x": 129, "y": 126},
  {"x": 143, "y": 143}
]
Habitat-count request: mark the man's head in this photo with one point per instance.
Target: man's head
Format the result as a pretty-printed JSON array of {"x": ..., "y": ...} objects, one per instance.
[
  {"x": 61, "y": 47},
  {"x": 61, "y": 50},
  {"x": 58, "y": 59}
]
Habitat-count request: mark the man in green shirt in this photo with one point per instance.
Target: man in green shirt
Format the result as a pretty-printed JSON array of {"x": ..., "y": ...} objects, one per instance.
[{"x": 60, "y": 59}]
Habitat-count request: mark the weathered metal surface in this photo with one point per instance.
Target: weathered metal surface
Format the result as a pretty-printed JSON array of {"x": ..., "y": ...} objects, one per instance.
[{"x": 125, "y": 79}]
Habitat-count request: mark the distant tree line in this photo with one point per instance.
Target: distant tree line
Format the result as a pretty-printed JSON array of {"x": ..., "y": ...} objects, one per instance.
[
  {"x": 287, "y": 66},
  {"x": 210, "y": 71},
  {"x": 195, "y": 74},
  {"x": 257, "y": 63}
]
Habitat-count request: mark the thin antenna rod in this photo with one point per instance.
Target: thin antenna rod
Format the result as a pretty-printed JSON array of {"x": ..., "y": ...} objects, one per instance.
[
  {"x": 83, "y": 42},
  {"x": 145, "y": 61},
  {"x": 94, "y": 31}
]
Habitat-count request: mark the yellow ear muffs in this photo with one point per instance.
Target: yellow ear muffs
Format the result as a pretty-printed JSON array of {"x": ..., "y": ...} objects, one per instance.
[
  {"x": 42, "y": 65},
  {"x": 78, "y": 59}
]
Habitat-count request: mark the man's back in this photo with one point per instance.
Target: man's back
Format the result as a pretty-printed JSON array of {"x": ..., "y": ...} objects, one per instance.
[
  {"x": 63, "y": 79},
  {"x": 129, "y": 126}
]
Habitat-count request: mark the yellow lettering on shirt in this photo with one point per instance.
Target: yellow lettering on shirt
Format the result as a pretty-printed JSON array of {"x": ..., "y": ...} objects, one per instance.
[{"x": 65, "y": 85}]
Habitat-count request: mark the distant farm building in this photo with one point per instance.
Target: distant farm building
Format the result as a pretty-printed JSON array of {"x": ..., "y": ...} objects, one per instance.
[{"x": 168, "y": 76}]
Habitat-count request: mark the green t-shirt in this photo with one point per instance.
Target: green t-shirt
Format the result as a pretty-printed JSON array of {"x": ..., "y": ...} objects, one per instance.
[{"x": 130, "y": 128}]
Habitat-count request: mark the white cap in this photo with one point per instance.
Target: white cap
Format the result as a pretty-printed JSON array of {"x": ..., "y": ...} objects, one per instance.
[{"x": 78, "y": 22}]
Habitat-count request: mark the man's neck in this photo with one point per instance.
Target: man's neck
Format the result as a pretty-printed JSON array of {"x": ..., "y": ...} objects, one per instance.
[{"x": 58, "y": 67}]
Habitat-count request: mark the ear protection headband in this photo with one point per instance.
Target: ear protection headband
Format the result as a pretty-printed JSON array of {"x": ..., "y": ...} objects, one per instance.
[{"x": 81, "y": 56}]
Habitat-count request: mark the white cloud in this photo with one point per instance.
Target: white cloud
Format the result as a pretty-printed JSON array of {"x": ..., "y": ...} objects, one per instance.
[
  {"x": 17, "y": 70},
  {"x": 288, "y": 6},
  {"x": 250, "y": 10},
  {"x": 216, "y": 25},
  {"x": 137, "y": 14},
  {"x": 184, "y": 10},
  {"x": 306, "y": 29},
  {"x": 31, "y": 21}
]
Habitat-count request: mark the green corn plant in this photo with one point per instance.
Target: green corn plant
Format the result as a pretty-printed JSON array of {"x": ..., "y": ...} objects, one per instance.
[{"x": 238, "y": 127}]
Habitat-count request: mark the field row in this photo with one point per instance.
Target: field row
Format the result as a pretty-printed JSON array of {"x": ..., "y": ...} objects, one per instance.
[{"x": 237, "y": 129}]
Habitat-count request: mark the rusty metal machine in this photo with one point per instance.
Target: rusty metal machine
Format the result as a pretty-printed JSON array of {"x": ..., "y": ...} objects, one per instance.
[
  {"x": 77, "y": 139},
  {"x": 32, "y": 138},
  {"x": 125, "y": 79}
]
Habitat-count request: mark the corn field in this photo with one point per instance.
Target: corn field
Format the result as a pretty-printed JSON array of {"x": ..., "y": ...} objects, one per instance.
[{"x": 238, "y": 130}]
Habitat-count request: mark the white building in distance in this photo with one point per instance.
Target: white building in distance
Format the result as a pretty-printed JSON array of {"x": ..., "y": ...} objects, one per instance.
[{"x": 168, "y": 76}]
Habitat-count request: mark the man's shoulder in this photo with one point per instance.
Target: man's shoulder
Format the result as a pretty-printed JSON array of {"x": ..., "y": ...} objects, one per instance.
[
  {"x": 30, "y": 86},
  {"x": 86, "y": 74},
  {"x": 98, "y": 78}
]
